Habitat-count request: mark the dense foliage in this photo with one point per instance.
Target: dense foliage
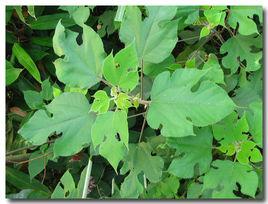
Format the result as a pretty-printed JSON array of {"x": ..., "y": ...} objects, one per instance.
[{"x": 148, "y": 102}]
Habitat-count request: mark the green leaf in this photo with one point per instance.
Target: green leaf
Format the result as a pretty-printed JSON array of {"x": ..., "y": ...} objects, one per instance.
[
  {"x": 139, "y": 160},
  {"x": 122, "y": 70},
  {"x": 38, "y": 161},
  {"x": 26, "y": 61},
  {"x": 230, "y": 134},
  {"x": 248, "y": 150},
  {"x": 101, "y": 102},
  {"x": 23, "y": 194},
  {"x": 122, "y": 101},
  {"x": 80, "y": 14},
  {"x": 22, "y": 181},
  {"x": 68, "y": 187},
  {"x": 43, "y": 41},
  {"x": 165, "y": 189},
  {"x": 195, "y": 151},
  {"x": 215, "y": 16},
  {"x": 11, "y": 73},
  {"x": 49, "y": 22},
  {"x": 215, "y": 72},
  {"x": 131, "y": 187},
  {"x": 82, "y": 64},
  {"x": 19, "y": 13},
  {"x": 47, "y": 90},
  {"x": 239, "y": 48},
  {"x": 75, "y": 89},
  {"x": 254, "y": 117},
  {"x": 250, "y": 89},
  {"x": 31, "y": 11},
  {"x": 187, "y": 15},
  {"x": 106, "y": 23},
  {"x": 112, "y": 136},
  {"x": 194, "y": 190},
  {"x": 178, "y": 108},
  {"x": 152, "y": 70},
  {"x": 33, "y": 99},
  {"x": 243, "y": 16},
  {"x": 71, "y": 117},
  {"x": 230, "y": 131},
  {"x": 223, "y": 178},
  {"x": 9, "y": 12},
  {"x": 155, "y": 36},
  {"x": 205, "y": 31}
]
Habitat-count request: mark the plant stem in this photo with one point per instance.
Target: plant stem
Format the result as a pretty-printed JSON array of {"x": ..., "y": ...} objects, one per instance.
[
  {"x": 29, "y": 147},
  {"x": 87, "y": 179},
  {"x": 144, "y": 181},
  {"x": 112, "y": 190},
  {"x": 17, "y": 158},
  {"x": 106, "y": 82},
  {"x": 143, "y": 126},
  {"x": 144, "y": 102},
  {"x": 132, "y": 116},
  {"x": 141, "y": 79}
]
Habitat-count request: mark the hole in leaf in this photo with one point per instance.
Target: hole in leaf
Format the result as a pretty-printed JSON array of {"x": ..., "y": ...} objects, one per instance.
[
  {"x": 153, "y": 154},
  {"x": 117, "y": 137},
  {"x": 117, "y": 65}
]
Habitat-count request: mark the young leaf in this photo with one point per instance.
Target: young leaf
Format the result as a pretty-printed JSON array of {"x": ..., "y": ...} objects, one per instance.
[
  {"x": 101, "y": 102},
  {"x": 122, "y": 70},
  {"x": 82, "y": 64},
  {"x": 196, "y": 150},
  {"x": 230, "y": 134},
  {"x": 178, "y": 108},
  {"x": 71, "y": 117},
  {"x": 26, "y": 61},
  {"x": 114, "y": 135},
  {"x": 123, "y": 101},
  {"x": 223, "y": 179},
  {"x": 215, "y": 15},
  {"x": 155, "y": 37}
]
